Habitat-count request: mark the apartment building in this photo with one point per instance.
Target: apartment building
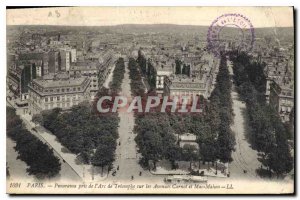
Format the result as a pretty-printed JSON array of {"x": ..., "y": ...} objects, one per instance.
[
  {"x": 61, "y": 92},
  {"x": 282, "y": 99},
  {"x": 87, "y": 69}
]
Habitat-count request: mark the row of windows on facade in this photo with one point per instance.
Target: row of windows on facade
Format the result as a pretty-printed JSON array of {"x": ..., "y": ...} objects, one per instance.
[
  {"x": 286, "y": 102},
  {"x": 58, "y": 89},
  {"x": 185, "y": 93},
  {"x": 57, "y": 98},
  {"x": 61, "y": 89},
  {"x": 59, "y": 105},
  {"x": 66, "y": 89},
  {"x": 63, "y": 98}
]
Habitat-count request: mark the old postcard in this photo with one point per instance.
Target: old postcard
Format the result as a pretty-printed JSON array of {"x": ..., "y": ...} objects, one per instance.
[{"x": 150, "y": 100}]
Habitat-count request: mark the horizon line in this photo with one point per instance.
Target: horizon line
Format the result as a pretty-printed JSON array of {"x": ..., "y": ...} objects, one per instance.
[{"x": 114, "y": 25}]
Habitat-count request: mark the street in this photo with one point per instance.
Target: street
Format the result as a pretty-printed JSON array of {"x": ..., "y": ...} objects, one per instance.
[
  {"x": 127, "y": 157},
  {"x": 244, "y": 157},
  {"x": 126, "y": 162}
]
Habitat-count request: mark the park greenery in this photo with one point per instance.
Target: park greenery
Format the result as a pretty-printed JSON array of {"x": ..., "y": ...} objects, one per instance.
[
  {"x": 81, "y": 130},
  {"x": 212, "y": 127},
  {"x": 84, "y": 131},
  {"x": 155, "y": 138},
  {"x": 136, "y": 83},
  {"x": 40, "y": 159},
  {"x": 118, "y": 75},
  {"x": 157, "y": 132},
  {"x": 141, "y": 60},
  {"x": 267, "y": 132},
  {"x": 147, "y": 69}
]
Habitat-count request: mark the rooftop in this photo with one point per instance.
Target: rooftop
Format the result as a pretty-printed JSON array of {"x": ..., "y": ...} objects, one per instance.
[
  {"x": 187, "y": 137},
  {"x": 185, "y": 79},
  {"x": 84, "y": 65},
  {"x": 49, "y": 83}
]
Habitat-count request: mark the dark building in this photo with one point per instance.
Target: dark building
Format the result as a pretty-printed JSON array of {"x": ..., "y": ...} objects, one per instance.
[
  {"x": 53, "y": 62},
  {"x": 19, "y": 78}
]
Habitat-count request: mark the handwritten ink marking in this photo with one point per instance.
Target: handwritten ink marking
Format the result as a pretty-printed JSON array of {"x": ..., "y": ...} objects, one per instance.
[{"x": 55, "y": 14}]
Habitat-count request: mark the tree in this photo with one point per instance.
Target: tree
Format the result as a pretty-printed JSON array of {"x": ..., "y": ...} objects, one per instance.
[
  {"x": 118, "y": 75},
  {"x": 49, "y": 117},
  {"x": 45, "y": 163},
  {"x": 212, "y": 115},
  {"x": 38, "y": 119},
  {"x": 152, "y": 147},
  {"x": 81, "y": 129},
  {"x": 107, "y": 140},
  {"x": 85, "y": 156},
  {"x": 290, "y": 124},
  {"x": 209, "y": 150},
  {"x": 171, "y": 151},
  {"x": 226, "y": 142},
  {"x": 279, "y": 160},
  {"x": 103, "y": 156},
  {"x": 268, "y": 133},
  {"x": 142, "y": 62},
  {"x": 219, "y": 117},
  {"x": 178, "y": 66},
  {"x": 136, "y": 84},
  {"x": 189, "y": 153},
  {"x": 40, "y": 159},
  {"x": 151, "y": 75}
]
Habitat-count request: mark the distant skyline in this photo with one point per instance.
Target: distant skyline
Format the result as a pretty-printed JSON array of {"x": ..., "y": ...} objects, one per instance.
[{"x": 110, "y": 16}]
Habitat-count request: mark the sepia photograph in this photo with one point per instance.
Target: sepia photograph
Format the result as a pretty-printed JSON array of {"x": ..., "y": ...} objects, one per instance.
[{"x": 150, "y": 100}]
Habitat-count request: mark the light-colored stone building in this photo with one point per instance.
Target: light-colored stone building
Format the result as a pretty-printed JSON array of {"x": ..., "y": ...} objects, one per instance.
[
  {"x": 282, "y": 99},
  {"x": 61, "y": 92},
  {"x": 87, "y": 69}
]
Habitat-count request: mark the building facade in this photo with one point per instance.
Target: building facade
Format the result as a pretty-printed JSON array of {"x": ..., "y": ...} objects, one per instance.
[
  {"x": 53, "y": 62},
  {"x": 184, "y": 86},
  {"x": 46, "y": 94},
  {"x": 65, "y": 59},
  {"x": 18, "y": 79},
  {"x": 87, "y": 69},
  {"x": 282, "y": 99},
  {"x": 107, "y": 61}
]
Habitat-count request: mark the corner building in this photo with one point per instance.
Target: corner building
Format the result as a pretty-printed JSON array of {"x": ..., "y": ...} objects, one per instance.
[{"x": 46, "y": 94}]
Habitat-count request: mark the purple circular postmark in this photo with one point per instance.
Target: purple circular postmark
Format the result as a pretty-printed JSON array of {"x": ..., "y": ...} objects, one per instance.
[{"x": 231, "y": 30}]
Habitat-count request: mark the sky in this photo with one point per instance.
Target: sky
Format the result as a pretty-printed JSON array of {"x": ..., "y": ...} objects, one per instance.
[{"x": 107, "y": 16}]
